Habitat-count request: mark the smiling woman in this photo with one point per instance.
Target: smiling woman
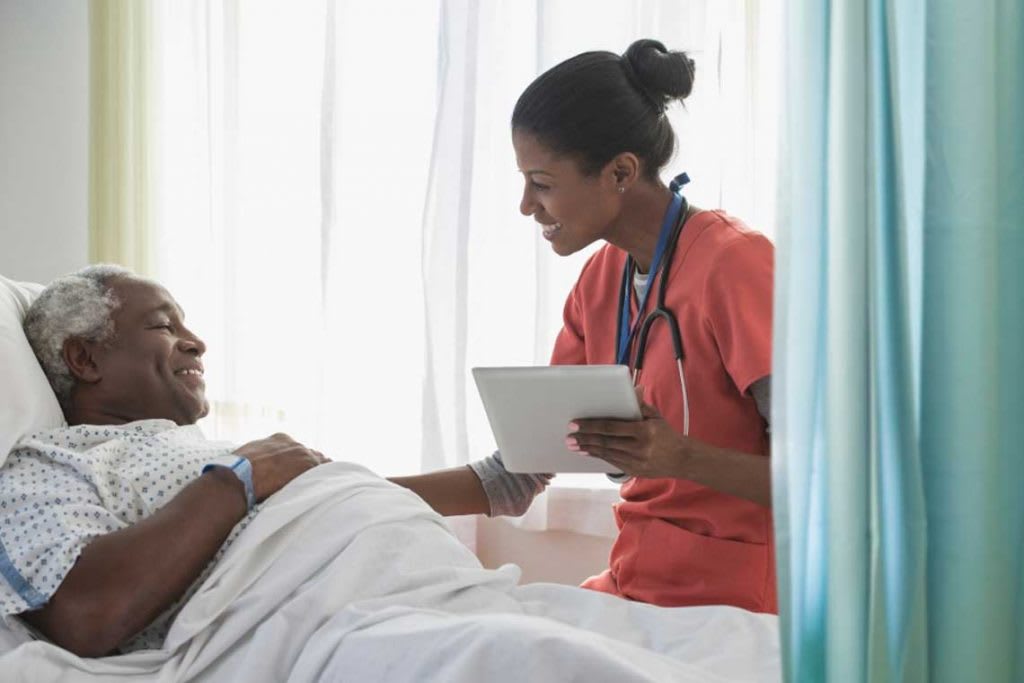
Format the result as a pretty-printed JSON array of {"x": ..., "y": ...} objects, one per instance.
[{"x": 591, "y": 138}]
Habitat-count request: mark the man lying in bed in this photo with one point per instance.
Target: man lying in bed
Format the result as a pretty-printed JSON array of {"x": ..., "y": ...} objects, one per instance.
[{"x": 108, "y": 525}]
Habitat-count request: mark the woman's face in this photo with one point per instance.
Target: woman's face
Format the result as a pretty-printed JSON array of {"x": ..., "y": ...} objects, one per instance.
[{"x": 573, "y": 209}]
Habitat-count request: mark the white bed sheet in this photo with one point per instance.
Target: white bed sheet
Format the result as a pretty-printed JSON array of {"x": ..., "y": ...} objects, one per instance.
[
  {"x": 344, "y": 576},
  {"x": 12, "y": 635}
]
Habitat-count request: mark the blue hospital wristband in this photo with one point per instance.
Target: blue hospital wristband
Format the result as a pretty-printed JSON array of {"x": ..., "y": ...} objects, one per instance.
[{"x": 241, "y": 468}]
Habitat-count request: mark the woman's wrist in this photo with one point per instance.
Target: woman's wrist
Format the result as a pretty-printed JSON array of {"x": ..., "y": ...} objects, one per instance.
[
  {"x": 688, "y": 457},
  {"x": 739, "y": 474}
]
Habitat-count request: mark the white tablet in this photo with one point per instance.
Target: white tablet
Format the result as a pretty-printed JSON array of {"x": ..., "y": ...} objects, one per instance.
[{"x": 530, "y": 409}]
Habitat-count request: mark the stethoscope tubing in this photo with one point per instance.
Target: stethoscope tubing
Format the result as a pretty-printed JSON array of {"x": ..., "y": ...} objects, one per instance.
[{"x": 659, "y": 312}]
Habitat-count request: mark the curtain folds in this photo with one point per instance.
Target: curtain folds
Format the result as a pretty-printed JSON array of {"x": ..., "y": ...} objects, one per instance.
[
  {"x": 122, "y": 119},
  {"x": 898, "y": 303}
]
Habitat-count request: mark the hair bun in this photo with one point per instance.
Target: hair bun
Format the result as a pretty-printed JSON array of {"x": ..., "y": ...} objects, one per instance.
[{"x": 660, "y": 74}]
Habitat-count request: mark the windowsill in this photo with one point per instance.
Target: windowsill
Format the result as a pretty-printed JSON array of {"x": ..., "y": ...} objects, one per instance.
[
  {"x": 576, "y": 509},
  {"x": 583, "y": 482}
]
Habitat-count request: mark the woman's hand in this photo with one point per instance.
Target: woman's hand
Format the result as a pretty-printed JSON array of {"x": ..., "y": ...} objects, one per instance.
[
  {"x": 652, "y": 449},
  {"x": 648, "y": 447}
]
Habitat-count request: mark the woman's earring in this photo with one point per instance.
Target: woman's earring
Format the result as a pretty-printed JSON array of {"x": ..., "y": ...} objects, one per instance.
[{"x": 621, "y": 189}]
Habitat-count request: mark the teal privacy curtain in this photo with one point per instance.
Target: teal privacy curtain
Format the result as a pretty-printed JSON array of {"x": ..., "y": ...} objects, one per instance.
[{"x": 898, "y": 425}]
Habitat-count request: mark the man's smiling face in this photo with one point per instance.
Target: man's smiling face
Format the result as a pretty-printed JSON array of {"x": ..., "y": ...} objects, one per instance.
[{"x": 153, "y": 366}]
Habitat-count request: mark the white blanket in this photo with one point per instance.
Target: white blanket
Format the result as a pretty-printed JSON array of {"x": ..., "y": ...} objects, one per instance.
[{"x": 344, "y": 576}]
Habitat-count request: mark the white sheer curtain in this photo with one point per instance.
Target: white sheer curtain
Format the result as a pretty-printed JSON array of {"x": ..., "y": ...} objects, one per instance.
[{"x": 338, "y": 205}]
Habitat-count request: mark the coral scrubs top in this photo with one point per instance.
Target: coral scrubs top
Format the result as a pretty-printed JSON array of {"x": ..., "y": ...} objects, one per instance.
[{"x": 681, "y": 543}]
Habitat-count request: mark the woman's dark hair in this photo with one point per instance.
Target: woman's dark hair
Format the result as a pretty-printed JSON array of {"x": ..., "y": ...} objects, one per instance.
[{"x": 598, "y": 105}]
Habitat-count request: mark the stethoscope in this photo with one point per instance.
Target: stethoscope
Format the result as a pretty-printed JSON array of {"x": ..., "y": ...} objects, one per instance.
[{"x": 668, "y": 238}]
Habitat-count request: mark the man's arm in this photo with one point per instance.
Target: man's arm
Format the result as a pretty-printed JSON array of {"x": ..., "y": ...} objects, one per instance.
[{"x": 123, "y": 580}]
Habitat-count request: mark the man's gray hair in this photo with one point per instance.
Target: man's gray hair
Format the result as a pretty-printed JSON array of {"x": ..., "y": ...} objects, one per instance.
[{"x": 77, "y": 305}]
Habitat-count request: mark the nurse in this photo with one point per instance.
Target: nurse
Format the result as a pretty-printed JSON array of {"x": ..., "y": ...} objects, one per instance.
[{"x": 591, "y": 138}]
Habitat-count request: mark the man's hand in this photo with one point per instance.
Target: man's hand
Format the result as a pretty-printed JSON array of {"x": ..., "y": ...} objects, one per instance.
[{"x": 276, "y": 460}]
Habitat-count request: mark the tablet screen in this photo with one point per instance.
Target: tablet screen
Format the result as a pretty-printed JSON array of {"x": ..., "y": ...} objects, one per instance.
[{"x": 530, "y": 408}]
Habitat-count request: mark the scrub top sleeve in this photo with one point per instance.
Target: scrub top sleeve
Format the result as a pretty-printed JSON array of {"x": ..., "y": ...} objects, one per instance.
[
  {"x": 570, "y": 347},
  {"x": 738, "y": 306}
]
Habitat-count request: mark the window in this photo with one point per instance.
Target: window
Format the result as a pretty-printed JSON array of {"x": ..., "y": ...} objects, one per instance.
[{"x": 338, "y": 199}]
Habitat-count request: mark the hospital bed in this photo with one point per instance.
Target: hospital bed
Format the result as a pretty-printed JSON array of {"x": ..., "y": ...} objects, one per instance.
[{"x": 389, "y": 594}]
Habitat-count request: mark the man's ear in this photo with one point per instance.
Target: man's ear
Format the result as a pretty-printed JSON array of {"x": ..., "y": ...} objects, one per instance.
[{"x": 80, "y": 357}]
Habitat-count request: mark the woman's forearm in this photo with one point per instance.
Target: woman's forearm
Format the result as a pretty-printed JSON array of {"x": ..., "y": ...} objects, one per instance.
[
  {"x": 738, "y": 474},
  {"x": 455, "y": 491}
]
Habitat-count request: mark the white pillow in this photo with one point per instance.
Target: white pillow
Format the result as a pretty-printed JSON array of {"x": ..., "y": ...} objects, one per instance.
[{"x": 27, "y": 403}]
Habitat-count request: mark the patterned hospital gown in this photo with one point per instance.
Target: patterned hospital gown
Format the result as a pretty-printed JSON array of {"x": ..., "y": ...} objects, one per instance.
[{"x": 60, "y": 488}]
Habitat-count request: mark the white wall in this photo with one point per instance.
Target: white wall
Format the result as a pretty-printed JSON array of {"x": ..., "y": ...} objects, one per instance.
[{"x": 44, "y": 126}]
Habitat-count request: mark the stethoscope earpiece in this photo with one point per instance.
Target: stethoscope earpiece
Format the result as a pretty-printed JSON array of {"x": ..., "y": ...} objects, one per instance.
[{"x": 678, "y": 182}]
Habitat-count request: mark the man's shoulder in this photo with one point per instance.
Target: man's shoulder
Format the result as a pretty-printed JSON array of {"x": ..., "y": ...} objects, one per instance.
[
  {"x": 87, "y": 445},
  {"x": 88, "y": 435}
]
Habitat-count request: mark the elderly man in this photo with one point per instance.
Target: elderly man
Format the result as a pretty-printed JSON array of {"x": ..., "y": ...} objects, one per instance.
[{"x": 108, "y": 525}]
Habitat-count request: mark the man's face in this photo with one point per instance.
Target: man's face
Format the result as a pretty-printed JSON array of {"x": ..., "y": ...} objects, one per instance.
[{"x": 153, "y": 366}]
